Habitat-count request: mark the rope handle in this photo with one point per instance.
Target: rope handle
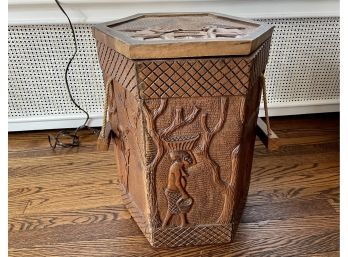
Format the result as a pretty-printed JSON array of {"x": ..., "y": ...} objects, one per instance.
[
  {"x": 103, "y": 139},
  {"x": 106, "y": 106},
  {"x": 264, "y": 131},
  {"x": 264, "y": 95}
]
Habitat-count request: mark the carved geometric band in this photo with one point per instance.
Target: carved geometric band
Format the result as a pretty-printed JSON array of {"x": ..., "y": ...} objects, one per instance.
[
  {"x": 117, "y": 66},
  {"x": 220, "y": 76},
  {"x": 194, "y": 77},
  {"x": 192, "y": 235}
]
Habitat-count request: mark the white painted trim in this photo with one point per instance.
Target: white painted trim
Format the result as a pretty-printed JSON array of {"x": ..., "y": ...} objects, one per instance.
[
  {"x": 73, "y": 121},
  {"x": 36, "y": 2},
  {"x": 295, "y": 108},
  {"x": 26, "y": 12},
  {"x": 53, "y": 122}
]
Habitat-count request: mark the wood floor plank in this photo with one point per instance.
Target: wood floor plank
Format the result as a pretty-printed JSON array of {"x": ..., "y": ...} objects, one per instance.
[
  {"x": 34, "y": 153},
  {"x": 259, "y": 197},
  {"x": 16, "y": 207},
  {"x": 288, "y": 150},
  {"x": 75, "y": 176},
  {"x": 272, "y": 228},
  {"x": 286, "y": 210},
  {"x": 75, "y": 233},
  {"x": 335, "y": 204},
  {"x": 320, "y": 180},
  {"x": 65, "y": 199},
  {"x": 71, "y": 217},
  {"x": 263, "y": 170},
  {"x": 275, "y": 159},
  {"x": 286, "y": 245},
  {"x": 22, "y": 164},
  {"x": 326, "y": 254}
]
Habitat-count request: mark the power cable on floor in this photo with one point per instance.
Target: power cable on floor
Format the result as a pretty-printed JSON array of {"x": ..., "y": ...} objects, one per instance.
[{"x": 63, "y": 135}]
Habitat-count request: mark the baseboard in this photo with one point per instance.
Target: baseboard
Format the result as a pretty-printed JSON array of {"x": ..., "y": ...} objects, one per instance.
[
  {"x": 73, "y": 121},
  {"x": 53, "y": 122},
  {"x": 305, "y": 107}
]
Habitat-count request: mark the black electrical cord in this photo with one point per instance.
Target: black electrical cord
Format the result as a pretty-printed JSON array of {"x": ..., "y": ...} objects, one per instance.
[{"x": 64, "y": 134}]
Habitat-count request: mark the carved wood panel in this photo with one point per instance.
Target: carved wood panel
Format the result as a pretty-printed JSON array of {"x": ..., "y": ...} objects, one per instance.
[{"x": 184, "y": 138}]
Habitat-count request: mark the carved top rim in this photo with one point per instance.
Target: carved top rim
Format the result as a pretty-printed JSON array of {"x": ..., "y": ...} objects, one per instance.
[{"x": 178, "y": 35}]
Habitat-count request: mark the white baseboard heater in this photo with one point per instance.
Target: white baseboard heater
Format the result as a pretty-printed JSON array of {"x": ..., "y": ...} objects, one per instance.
[{"x": 302, "y": 73}]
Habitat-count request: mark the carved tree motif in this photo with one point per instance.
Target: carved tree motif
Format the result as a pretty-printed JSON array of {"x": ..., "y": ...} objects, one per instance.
[
  {"x": 206, "y": 138},
  {"x": 230, "y": 189},
  {"x": 158, "y": 137},
  {"x": 151, "y": 118},
  {"x": 227, "y": 187}
]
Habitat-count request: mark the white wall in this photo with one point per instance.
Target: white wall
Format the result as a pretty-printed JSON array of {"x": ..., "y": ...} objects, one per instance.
[{"x": 95, "y": 11}]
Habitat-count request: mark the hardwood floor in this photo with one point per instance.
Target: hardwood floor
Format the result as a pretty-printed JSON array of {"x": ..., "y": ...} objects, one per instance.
[{"x": 66, "y": 202}]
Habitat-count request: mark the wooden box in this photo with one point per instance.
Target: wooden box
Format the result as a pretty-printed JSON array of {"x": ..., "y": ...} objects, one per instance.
[{"x": 183, "y": 106}]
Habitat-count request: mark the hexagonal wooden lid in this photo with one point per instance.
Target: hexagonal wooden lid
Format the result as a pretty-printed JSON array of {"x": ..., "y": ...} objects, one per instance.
[{"x": 178, "y": 35}]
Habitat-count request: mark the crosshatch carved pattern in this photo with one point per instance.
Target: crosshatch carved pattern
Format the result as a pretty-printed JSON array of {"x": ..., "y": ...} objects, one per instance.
[
  {"x": 192, "y": 235},
  {"x": 117, "y": 66},
  {"x": 194, "y": 77}
]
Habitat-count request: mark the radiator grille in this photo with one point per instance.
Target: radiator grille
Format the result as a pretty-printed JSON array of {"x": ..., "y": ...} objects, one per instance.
[
  {"x": 38, "y": 56},
  {"x": 303, "y": 66},
  {"x": 304, "y": 60}
]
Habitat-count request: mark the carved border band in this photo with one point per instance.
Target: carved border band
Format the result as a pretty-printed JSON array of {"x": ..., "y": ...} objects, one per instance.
[
  {"x": 117, "y": 66},
  {"x": 193, "y": 235},
  {"x": 219, "y": 76},
  {"x": 194, "y": 77}
]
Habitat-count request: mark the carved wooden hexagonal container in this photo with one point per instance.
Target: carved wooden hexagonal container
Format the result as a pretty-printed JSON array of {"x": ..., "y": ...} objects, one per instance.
[{"x": 183, "y": 106}]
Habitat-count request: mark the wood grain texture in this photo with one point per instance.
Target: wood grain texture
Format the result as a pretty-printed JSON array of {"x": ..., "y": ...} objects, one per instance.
[
  {"x": 181, "y": 119},
  {"x": 121, "y": 35},
  {"x": 67, "y": 203}
]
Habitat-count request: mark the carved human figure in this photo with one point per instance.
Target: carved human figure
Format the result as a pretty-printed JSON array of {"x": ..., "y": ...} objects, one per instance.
[{"x": 179, "y": 202}]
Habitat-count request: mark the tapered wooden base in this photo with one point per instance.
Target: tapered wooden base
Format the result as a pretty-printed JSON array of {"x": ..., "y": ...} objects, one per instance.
[{"x": 184, "y": 132}]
